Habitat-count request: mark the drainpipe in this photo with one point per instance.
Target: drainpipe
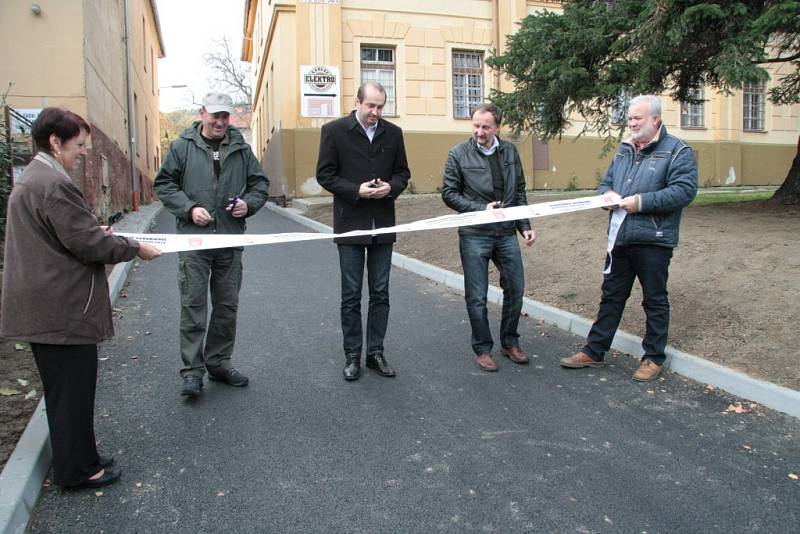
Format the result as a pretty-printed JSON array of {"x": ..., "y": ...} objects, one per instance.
[
  {"x": 497, "y": 35},
  {"x": 131, "y": 117}
]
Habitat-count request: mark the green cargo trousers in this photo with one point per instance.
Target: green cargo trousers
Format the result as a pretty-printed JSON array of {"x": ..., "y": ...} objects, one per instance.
[{"x": 219, "y": 270}]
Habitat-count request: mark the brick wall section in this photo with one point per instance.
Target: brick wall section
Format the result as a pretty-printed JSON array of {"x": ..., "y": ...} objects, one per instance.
[{"x": 117, "y": 195}]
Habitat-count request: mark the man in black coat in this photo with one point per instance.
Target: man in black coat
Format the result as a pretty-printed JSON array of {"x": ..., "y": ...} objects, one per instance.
[{"x": 362, "y": 162}]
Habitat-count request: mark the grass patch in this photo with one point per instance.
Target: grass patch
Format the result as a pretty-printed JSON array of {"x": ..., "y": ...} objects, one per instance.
[{"x": 719, "y": 198}]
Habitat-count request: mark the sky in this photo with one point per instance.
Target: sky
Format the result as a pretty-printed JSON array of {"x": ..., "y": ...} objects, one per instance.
[{"x": 189, "y": 28}]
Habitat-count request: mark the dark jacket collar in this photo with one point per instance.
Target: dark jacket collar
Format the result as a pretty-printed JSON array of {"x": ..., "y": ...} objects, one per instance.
[
  {"x": 501, "y": 145},
  {"x": 233, "y": 136},
  {"x": 353, "y": 124}
]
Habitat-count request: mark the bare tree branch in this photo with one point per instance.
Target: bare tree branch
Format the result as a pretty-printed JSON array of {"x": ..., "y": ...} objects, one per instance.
[{"x": 228, "y": 73}]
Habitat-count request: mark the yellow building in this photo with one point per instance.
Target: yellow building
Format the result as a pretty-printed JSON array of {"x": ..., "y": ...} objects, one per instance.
[
  {"x": 431, "y": 58},
  {"x": 73, "y": 54}
]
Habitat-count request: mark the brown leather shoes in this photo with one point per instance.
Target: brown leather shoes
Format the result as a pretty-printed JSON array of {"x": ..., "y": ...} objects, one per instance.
[
  {"x": 579, "y": 360},
  {"x": 486, "y": 362},
  {"x": 516, "y": 355},
  {"x": 647, "y": 371}
]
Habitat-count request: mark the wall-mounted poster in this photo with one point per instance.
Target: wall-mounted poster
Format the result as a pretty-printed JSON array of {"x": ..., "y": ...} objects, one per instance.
[{"x": 319, "y": 91}]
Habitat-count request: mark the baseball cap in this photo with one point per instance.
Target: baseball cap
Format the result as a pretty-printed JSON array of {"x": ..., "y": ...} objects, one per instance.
[{"x": 217, "y": 103}]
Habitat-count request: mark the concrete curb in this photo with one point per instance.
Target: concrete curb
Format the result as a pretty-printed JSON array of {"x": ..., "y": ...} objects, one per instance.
[
  {"x": 776, "y": 397},
  {"x": 27, "y": 467}
]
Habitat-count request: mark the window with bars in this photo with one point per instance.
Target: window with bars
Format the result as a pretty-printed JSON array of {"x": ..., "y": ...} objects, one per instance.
[
  {"x": 378, "y": 64},
  {"x": 692, "y": 115},
  {"x": 619, "y": 110},
  {"x": 467, "y": 82},
  {"x": 753, "y": 96}
]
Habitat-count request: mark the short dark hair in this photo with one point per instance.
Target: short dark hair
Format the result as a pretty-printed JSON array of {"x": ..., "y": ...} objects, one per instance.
[
  {"x": 370, "y": 83},
  {"x": 62, "y": 122},
  {"x": 491, "y": 108}
]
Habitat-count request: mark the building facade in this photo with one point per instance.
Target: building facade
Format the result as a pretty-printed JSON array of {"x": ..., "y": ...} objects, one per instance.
[
  {"x": 431, "y": 58},
  {"x": 73, "y": 54}
]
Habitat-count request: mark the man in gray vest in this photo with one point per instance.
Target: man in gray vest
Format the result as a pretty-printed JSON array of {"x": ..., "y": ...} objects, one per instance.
[{"x": 211, "y": 182}]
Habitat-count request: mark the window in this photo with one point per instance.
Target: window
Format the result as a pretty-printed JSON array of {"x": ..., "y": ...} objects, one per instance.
[
  {"x": 378, "y": 64},
  {"x": 619, "y": 109},
  {"x": 144, "y": 44},
  {"x": 147, "y": 141},
  {"x": 753, "y": 106},
  {"x": 467, "y": 82},
  {"x": 135, "y": 120},
  {"x": 692, "y": 114},
  {"x": 152, "y": 71}
]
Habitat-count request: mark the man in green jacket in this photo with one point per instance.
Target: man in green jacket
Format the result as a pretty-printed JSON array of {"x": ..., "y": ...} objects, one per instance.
[{"x": 211, "y": 182}]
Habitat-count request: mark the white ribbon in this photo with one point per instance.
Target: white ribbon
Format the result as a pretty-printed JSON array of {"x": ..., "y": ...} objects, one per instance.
[
  {"x": 617, "y": 216},
  {"x": 183, "y": 242}
]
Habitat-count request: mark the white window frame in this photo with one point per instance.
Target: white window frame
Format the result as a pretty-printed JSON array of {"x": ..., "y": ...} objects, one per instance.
[
  {"x": 693, "y": 115},
  {"x": 383, "y": 71},
  {"x": 619, "y": 109},
  {"x": 466, "y": 96},
  {"x": 753, "y": 106}
]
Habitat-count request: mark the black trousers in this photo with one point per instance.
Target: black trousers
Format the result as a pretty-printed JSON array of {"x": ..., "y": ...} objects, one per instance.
[
  {"x": 650, "y": 265},
  {"x": 69, "y": 377}
]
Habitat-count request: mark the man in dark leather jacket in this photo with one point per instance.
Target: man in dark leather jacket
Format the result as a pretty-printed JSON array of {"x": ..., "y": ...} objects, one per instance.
[
  {"x": 485, "y": 173},
  {"x": 656, "y": 175}
]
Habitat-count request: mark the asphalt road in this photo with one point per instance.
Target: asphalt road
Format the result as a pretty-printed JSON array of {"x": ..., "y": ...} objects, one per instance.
[{"x": 443, "y": 447}]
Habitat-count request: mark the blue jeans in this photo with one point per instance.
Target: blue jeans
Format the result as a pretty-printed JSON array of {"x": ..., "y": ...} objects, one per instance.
[
  {"x": 351, "y": 264},
  {"x": 650, "y": 264},
  {"x": 476, "y": 251}
]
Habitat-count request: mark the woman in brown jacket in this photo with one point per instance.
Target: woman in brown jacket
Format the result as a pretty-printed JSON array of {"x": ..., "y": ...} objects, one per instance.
[{"x": 55, "y": 292}]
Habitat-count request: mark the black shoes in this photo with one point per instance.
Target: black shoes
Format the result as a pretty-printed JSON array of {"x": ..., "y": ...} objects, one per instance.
[
  {"x": 232, "y": 377},
  {"x": 104, "y": 461},
  {"x": 377, "y": 362},
  {"x": 109, "y": 476},
  {"x": 191, "y": 386},
  {"x": 352, "y": 370}
]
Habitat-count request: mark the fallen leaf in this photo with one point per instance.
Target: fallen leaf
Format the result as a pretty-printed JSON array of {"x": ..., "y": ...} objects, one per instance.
[
  {"x": 19, "y": 346},
  {"x": 710, "y": 388},
  {"x": 98, "y": 493},
  {"x": 221, "y": 494},
  {"x": 31, "y": 394},
  {"x": 7, "y": 392},
  {"x": 737, "y": 407},
  {"x": 793, "y": 476},
  {"x": 748, "y": 447},
  {"x": 23, "y": 382},
  {"x": 134, "y": 357}
]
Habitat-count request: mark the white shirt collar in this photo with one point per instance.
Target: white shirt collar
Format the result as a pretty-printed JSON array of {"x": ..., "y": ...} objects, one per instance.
[
  {"x": 489, "y": 151},
  {"x": 370, "y": 131}
]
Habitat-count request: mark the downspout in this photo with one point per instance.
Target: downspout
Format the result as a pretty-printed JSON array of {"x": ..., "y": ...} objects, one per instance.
[
  {"x": 131, "y": 117},
  {"x": 496, "y": 17}
]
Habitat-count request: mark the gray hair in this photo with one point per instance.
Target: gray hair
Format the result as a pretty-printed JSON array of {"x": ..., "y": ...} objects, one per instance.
[{"x": 652, "y": 101}]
